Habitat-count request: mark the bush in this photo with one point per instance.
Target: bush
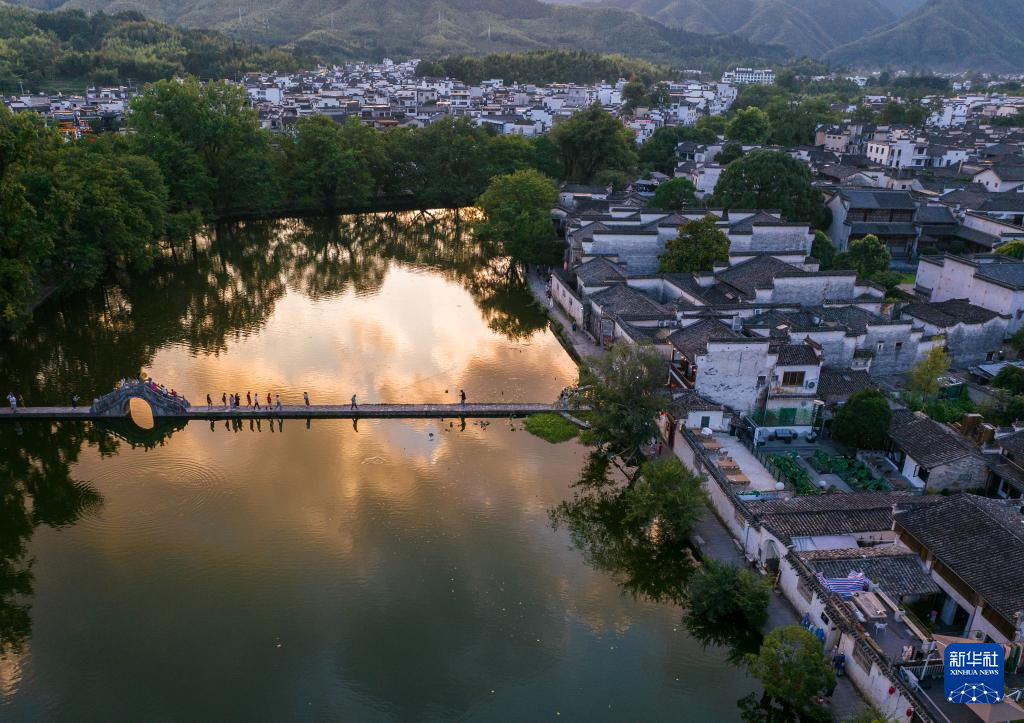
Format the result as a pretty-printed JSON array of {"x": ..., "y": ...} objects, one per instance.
[
  {"x": 788, "y": 468},
  {"x": 552, "y": 428}
]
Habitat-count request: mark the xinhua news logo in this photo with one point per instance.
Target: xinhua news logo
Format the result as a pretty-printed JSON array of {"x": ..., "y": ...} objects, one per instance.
[{"x": 973, "y": 673}]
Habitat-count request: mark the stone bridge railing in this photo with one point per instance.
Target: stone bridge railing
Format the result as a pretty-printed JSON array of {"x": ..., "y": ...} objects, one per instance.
[{"x": 115, "y": 404}]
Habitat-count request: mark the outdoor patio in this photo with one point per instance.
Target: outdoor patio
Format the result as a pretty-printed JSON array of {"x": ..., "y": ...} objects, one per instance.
[{"x": 738, "y": 464}]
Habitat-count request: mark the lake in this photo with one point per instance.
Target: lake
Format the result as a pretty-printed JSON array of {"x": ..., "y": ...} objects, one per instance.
[{"x": 383, "y": 570}]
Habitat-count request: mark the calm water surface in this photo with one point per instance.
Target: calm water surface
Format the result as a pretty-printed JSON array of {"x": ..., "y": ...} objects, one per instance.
[{"x": 390, "y": 570}]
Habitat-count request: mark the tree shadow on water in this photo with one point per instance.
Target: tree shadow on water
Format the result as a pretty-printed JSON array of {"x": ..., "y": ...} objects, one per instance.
[{"x": 36, "y": 488}]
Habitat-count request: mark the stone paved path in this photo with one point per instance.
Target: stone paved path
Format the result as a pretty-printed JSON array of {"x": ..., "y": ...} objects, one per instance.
[{"x": 323, "y": 411}]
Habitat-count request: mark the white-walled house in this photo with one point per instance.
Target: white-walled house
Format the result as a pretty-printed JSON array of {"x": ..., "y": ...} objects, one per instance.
[{"x": 992, "y": 281}]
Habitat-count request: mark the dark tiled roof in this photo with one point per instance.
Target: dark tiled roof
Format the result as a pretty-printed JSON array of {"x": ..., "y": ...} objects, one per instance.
[
  {"x": 894, "y": 228},
  {"x": 757, "y": 273},
  {"x": 980, "y": 540},
  {"x": 599, "y": 270},
  {"x": 691, "y": 401},
  {"x": 930, "y": 444},
  {"x": 1003, "y": 202},
  {"x": 935, "y": 215},
  {"x": 892, "y": 568},
  {"x": 949, "y": 313},
  {"x": 1008, "y": 172},
  {"x": 1013, "y": 444},
  {"x": 623, "y": 301},
  {"x": 839, "y": 384},
  {"x": 797, "y": 355},
  {"x": 746, "y": 226},
  {"x": 1011, "y": 274},
  {"x": 837, "y": 514},
  {"x": 876, "y": 199},
  {"x": 693, "y": 340}
]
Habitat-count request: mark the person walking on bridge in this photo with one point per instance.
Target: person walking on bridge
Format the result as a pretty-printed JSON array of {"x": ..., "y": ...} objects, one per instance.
[
  {"x": 74, "y": 401},
  {"x": 256, "y": 404},
  {"x": 305, "y": 398},
  {"x": 248, "y": 399},
  {"x": 209, "y": 400},
  {"x": 277, "y": 402},
  {"x": 268, "y": 400},
  {"x": 354, "y": 405},
  {"x": 224, "y": 399},
  {"x": 13, "y": 401},
  {"x": 462, "y": 396}
]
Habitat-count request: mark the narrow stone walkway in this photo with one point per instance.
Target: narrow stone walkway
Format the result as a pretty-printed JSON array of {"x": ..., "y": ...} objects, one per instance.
[
  {"x": 583, "y": 343},
  {"x": 321, "y": 411}
]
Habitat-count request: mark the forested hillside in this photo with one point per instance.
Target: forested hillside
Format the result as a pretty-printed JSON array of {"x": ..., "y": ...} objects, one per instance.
[
  {"x": 946, "y": 34},
  {"x": 40, "y": 51},
  {"x": 371, "y": 29}
]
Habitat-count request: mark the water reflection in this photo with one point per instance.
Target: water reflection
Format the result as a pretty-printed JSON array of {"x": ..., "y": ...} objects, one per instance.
[
  {"x": 612, "y": 539},
  {"x": 36, "y": 488},
  {"x": 227, "y": 288}
]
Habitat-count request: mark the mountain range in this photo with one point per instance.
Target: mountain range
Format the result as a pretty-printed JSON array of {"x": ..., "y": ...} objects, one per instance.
[
  {"x": 926, "y": 34},
  {"x": 372, "y": 29}
]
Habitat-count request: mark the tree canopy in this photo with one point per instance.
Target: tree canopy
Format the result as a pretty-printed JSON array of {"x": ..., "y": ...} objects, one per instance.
[
  {"x": 749, "y": 126},
  {"x": 517, "y": 209},
  {"x": 823, "y": 249},
  {"x": 592, "y": 141},
  {"x": 621, "y": 388},
  {"x": 867, "y": 256},
  {"x": 863, "y": 422},
  {"x": 674, "y": 194},
  {"x": 724, "y": 597},
  {"x": 923, "y": 381},
  {"x": 792, "y": 668},
  {"x": 770, "y": 180},
  {"x": 696, "y": 248}
]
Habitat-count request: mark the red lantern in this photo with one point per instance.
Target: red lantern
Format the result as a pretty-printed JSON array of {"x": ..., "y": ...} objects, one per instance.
[
  {"x": 892, "y": 689},
  {"x": 910, "y": 712}
]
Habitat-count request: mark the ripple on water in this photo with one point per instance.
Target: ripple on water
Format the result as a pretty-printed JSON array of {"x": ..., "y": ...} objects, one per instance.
[{"x": 158, "y": 489}]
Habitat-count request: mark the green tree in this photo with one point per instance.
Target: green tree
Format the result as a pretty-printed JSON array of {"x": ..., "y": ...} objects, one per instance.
[
  {"x": 114, "y": 213},
  {"x": 1004, "y": 408},
  {"x": 697, "y": 247},
  {"x": 923, "y": 380},
  {"x": 517, "y": 209},
  {"x": 792, "y": 668},
  {"x": 823, "y": 250},
  {"x": 1014, "y": 249},
  {"x": 749, "y": 126},
  {"x": 622, "y": 533},
  {"x": 714, "y": 124},
  {"x": 731, "y": 151},
  {"x": 332, "y": 166},
  {"x": 867, "y": 256},
  {"x": 208, "y": 144},
  {"x": 633, "y": 94},
  {"x": 621, "y": 388},
  {"x": 659, "y": 96},
  {"x": 863, "y": 114},
  {"x": 795, "y": 122},
  {"x": 26, "y": 234},
  {"x": 863, "y": 422},
  {"x": 723, "y": 597},
  {"x": 770, "y": 180},
  {"x": 675, "y": 194},
  {"x": 667, "y": 498},
  {"x": 1011, "y": 379},
  {"x": 592, "y": 141}
]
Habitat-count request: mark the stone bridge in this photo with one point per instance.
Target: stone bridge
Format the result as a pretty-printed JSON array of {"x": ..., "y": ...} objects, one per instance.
[{"x": 115, "y": 404}]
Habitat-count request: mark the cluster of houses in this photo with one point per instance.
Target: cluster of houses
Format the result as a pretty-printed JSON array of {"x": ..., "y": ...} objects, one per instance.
[
  {"x": 392, "y": 95},
  {"x": 924, "y": 546}
]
